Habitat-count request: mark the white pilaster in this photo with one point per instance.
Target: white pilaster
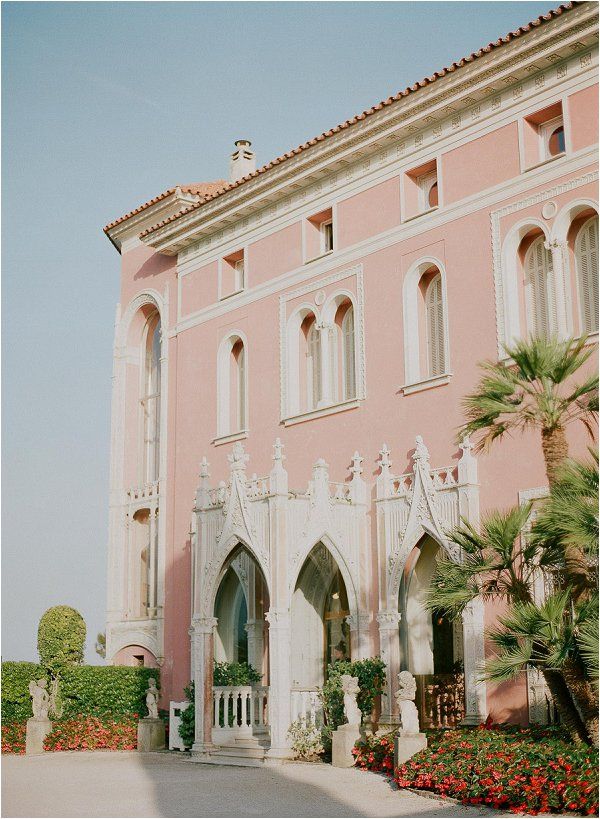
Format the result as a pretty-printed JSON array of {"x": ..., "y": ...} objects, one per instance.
[
  {"x": 558, "y": 251},
  {"x": 389, "y": 640},
  {"x": 202, "y": 638}
]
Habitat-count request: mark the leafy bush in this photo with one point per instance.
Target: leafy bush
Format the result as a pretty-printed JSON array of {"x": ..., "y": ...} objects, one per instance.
[
  {"x": 528, "y": 770},
  {"x": 306, "y": 740},
  {"x": 61, "y": 639},
  {"x": 88, "y": 689},
  {"x": 187, "y": 726},
  {"x": 371, "y": 681},
  {"x": 235, "y": 674},
  {"x": 375, "y": 753}
]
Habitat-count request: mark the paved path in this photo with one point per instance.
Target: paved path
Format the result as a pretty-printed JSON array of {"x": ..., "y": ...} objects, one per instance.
[{"x": 110, "y": 784}]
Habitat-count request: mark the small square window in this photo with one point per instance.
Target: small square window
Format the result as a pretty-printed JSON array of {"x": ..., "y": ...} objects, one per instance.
[
  {"x": 428, "y": 191},
  {"x": 232, "y": 274},
  {"x": 318, "y": 235},
  {"x": 421, "y": 191},
  {"x": 543, "y": 135}
]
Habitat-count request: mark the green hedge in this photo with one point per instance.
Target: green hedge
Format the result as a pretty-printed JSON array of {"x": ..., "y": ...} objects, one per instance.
[{"x": 91, "y": 690}]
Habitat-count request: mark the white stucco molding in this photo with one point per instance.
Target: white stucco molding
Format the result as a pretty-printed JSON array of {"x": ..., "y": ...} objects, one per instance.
[{"x": 504, "y": 255}]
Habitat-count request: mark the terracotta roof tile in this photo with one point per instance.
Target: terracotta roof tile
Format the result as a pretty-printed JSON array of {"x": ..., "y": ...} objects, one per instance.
[
  {"x": 224, "y": 187},
  {"x": 203, "y": 189}
]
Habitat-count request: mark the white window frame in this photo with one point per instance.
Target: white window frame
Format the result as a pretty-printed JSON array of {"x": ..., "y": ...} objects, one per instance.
[
  {"x": 530, "y": 320},
  {"x": 224, "y": 431},
  {"x": 322, "y": 229},
  {"x": 545, "y": 131},
  {"x": 584, "y": 297},
  {"x": 426, "y": 182}
]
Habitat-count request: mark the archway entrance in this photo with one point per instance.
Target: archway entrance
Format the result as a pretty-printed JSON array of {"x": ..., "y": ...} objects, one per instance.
[
  {"x": 241, "y": 603},
  {"x": 320, "y": 632},
  {"x": 431, "y": 645}
]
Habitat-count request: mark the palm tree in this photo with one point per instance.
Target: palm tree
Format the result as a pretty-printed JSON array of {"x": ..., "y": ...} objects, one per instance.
[
  {"x": 534, "y": 390},
  {"x": 499, "y": 564},
  {"x": 552, "y": 635}
]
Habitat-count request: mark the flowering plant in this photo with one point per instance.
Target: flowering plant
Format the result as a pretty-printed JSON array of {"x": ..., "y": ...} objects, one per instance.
[
  {"x": 90, "y": 733},
  {"x": 527, "y": 770},
  {"x": 375, "y": 753},
  {"x": 306, "y": 740},
  {"x": 13, "y": 737}
]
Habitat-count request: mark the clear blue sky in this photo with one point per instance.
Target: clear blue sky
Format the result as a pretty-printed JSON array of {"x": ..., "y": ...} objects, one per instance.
[{"x": 105, "y": 105}]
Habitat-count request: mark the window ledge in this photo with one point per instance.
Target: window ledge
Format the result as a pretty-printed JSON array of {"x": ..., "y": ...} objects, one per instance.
[
  {"x": 427, "y": 383},
  {"x": 229, "y": 439},
  {"x": 421, "y": 213},
  {"x": 320, "y": 256},
  {"x": 544, "y": 162},
  {"x": 230, "y": 295},
  {"x": 322, "y": 411}
]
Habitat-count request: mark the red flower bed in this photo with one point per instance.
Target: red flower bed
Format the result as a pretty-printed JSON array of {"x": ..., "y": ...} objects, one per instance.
[
  {"x": 13, "y": 738},
  {"x": 525, "y": 770},
  {"x": 375, "y": 754},
  {"x": 78, "y": 734}
]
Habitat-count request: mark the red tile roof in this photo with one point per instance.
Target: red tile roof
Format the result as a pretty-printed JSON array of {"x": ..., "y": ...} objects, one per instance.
[
  {"x": 224, "y": 187},
  {"x": 203, "y": 189}
]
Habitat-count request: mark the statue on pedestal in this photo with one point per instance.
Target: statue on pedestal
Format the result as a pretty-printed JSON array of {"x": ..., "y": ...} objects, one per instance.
[
  {"x": 351, "y": 691},
  {"x": 405, "y": 697},
  {"x": 40, "y": 699},
  {"x": 152, "y": 699}
]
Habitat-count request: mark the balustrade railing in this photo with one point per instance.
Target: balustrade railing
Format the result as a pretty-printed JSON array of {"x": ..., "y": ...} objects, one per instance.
[
  {"x": 440, "y": 700},
  {"x": 147, "y": 491},
  {"x": 239, "y": 711},
  {"x": 306, "y": 706}
]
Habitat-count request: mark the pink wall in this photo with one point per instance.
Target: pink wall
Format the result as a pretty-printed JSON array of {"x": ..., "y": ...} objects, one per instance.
[
  {"x": 481, "y": 164},
  {"x": 368, "y": 213},
  {"x": 583, "y": 113},
  {"x": 387, "y": 415}
]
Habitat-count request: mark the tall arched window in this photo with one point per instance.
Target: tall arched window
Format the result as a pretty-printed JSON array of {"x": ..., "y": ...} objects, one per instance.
[
  {"x": 434, "y": 310},
  {"x": 151, "y": 400},
  {"x": 538, "y": 282},
  {"x": 232, "y": 387},
  {"x": 586, "y": 258},
  {"x": 348, "y": 354},
  {"x": 313, "y": 366}
]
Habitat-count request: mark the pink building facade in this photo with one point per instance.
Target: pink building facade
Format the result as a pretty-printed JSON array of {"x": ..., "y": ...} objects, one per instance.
[{"x": 291, "y": 350}]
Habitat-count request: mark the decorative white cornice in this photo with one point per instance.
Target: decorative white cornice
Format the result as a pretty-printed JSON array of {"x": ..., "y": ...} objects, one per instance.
[{"x": 555, "y": 51}]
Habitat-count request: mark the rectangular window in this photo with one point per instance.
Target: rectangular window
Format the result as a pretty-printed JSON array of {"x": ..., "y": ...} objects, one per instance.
[
  {"x": 318, "y": 235},
  {"x": 232, "y": 274},
  {"x": 421, "y": 190},
  {"x": 543, "y": 135}
]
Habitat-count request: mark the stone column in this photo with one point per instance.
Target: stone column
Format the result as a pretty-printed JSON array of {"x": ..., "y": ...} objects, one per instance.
[
  {"x": 254, "y": 630},
  {"x": 152, "y": 557},
  {"x": 326, "y": 375},
  {"x": 474, "y": 656},
  {"x": 202, "y": 639},
  {"x": 560, "y": 298},
  {"x": 359, "y": 635},
  {"x": 281, "y": 678},
  {"x": 389, "y": 640}
]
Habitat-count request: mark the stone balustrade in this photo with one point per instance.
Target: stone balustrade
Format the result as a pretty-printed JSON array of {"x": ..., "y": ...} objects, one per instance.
[
  {"x": 239, "y": 711},
  {"x": 306, "y": 706}
]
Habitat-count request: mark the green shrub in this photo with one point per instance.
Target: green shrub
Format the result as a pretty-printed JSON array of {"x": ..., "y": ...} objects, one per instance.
[
  {"x": 235, "y": 674},
  {"x": 371, "y": 681},
  {"x": 88, "y": 689},
  {"x": 187, "y": 726},
  {"x": 61, "y": 639}
]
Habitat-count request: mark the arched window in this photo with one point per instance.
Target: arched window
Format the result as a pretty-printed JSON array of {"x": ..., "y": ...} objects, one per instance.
[
  {"x": 348, "y": 355},
  {"x": 586, "y": 259},
  {"x": 434, "y": 313},
  {"x": 232, "y": 387},
  {"x": 151, "y": 400},
  {"x": 538, "y": 282},
  {"x": 313, "y": 366}
]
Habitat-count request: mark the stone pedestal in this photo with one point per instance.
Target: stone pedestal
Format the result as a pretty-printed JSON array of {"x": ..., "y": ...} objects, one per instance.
[
  {"x": 406, "y": 746},
  {"x": 151, "y": 734},
  {"x": 37, "y": 731},
  {"x": 342, "y": 742}
]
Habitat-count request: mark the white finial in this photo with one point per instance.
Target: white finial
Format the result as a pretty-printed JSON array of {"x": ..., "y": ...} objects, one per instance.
[
  {"x": 421, "y": 452},
  {"x": 384, "y": 459},
  {"x": 278, "y": 450},
  {"x": 204, "y": 471},
  {"x": 356, "y": 467}
]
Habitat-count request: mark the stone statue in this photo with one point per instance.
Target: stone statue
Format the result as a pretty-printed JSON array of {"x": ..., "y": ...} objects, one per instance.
[
  {"x": 152, "y": 699},
  {"x": 405, "y": 697},
  {"x": 40, "y": 699},
  {"x": 351, "y": 690}
]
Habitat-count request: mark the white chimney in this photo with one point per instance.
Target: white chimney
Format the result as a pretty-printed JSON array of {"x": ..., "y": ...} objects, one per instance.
[{"x": 243, "y": 160}]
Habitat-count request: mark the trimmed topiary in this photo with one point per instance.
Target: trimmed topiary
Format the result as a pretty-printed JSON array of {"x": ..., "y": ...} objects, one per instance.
[{"x": 61, "y": 639}]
